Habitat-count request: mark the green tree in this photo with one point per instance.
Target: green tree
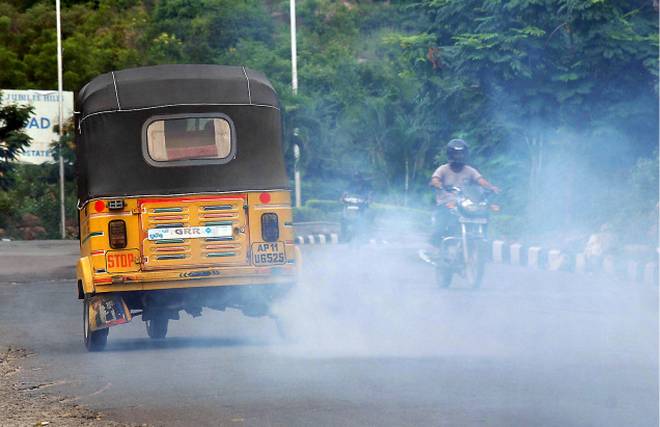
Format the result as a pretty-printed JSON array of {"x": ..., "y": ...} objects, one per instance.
[
  {"x": 13, "y": 140},
  {"x": 547, "y": 77},
  {"x": 204, "y": 31},
  {"x": 97, "y": 37}
]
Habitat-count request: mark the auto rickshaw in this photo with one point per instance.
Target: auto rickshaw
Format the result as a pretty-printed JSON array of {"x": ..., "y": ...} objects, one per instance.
[{"x": 183, "y": 197}]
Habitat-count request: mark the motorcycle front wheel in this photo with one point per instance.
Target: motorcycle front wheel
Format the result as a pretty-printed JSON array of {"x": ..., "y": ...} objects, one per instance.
[
  {"x": 443, "y": 275},
  {"x": 476, "y": 263}
]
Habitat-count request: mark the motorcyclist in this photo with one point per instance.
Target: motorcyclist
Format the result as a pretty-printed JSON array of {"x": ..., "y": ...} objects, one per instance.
[
  {"x": 359, "y": 186},
  {"x": 455, "y": 173},
  {"x": 356, "y": 216}
]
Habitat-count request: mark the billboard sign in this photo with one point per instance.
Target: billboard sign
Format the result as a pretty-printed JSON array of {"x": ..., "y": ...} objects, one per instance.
[{"x": 41, "y": 124}]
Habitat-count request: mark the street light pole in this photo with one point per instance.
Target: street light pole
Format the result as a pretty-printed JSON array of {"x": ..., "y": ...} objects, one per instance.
[
  {"x": 296, "y": 169},
  {"x": 294, "y": 54},
  {"x": 294, "y": 90},
  {"x": 61, "y": 115}
]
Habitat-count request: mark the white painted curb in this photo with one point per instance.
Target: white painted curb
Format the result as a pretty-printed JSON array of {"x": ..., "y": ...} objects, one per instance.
[
  {"x": 534, "y": 257},
  {"x": 498, "y": 251},
  {"x": 317, "y": 239},
  {"x": 556, "y": 260},
  {"x": 632, "y": 270},
  {"x": 651, "y": 273}
]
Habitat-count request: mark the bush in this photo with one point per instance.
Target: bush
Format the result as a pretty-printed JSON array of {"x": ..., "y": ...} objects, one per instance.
[
  {"x": 318, "y": 210},
  {"x": 419, "y": 217},
  {"x": 35, "y": 193},
  {"x": 305, "y": 214},
  {"x": 327, "y": 206}
]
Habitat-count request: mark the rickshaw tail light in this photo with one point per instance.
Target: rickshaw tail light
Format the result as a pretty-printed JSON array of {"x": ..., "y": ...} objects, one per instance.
[
  {"x": 270, "y": 228},
  {"x": 99, "y": 206},
  {"x": 264, "y": 198},
  {"x": 117, "y": 234}
]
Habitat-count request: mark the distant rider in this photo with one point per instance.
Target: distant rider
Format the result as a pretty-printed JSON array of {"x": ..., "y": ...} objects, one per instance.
[
  {"x": 359, "y": 186},
  {"x": 455, "y": 173}
]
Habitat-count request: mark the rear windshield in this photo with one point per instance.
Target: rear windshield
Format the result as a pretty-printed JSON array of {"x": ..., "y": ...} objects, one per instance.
[{"x": 181, "y": 139}]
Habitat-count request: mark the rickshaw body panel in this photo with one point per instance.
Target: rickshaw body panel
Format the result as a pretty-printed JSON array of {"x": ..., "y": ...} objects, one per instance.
[{"x": 104, "y": 269}]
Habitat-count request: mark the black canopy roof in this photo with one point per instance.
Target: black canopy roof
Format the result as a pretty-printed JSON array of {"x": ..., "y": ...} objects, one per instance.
[
  {"x": 176, "y": 84},
  {"x": 114, "y": 107}
]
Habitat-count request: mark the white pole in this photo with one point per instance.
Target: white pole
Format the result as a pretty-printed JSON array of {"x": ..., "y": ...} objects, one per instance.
[
  {"x": 61, "y": 115},
  {"x": 294, "y": 60},
  {"x": 296, "y": 156},
  {"x": 294, "y": 90}
]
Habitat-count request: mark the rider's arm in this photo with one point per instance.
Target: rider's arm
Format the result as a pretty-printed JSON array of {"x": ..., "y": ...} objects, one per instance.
[
  {"x": 436, "y": 182},
  {"x": 487, "y": 185},
  {"x": 437, "y": 177}
]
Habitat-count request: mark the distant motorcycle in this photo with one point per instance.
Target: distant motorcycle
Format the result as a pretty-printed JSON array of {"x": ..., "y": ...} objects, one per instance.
[
  {"x": 353, "y": 216},
  {"x": 463, "y": 250}
]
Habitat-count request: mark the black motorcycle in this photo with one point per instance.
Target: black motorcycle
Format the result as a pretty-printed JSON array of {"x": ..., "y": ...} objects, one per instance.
[
  {"x": 463, "y": 249},
  {"x": 354, "y": 215}
]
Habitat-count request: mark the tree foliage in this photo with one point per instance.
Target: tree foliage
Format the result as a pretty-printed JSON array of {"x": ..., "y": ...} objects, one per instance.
[
  {"x": 13, "y": 140},
  {"x": 554, "y": 96}
]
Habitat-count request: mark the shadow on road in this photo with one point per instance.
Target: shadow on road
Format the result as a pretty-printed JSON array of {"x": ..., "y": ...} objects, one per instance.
[{"x": 124, "y": 345}]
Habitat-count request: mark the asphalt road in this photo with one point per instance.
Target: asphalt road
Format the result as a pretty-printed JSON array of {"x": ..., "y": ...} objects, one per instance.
[{"x": 372, "y": 342}]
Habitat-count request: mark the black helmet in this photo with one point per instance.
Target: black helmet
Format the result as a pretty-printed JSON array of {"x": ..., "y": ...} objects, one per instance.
[{"x": 457, "y": 151}]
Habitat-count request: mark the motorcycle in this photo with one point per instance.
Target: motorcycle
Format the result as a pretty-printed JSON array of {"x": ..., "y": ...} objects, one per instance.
[
  {"x": 353, "y": 216},
  {"x": 463, "y": 250}
]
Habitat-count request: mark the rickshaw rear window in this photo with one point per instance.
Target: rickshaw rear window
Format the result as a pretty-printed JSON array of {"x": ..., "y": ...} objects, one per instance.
[{"x": 189, "y": 138}]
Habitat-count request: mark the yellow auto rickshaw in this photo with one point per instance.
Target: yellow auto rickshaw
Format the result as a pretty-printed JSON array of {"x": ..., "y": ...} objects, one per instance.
[{"x": 183, "y": 196}]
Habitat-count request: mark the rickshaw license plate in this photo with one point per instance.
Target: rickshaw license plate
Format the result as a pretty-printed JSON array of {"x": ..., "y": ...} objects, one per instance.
[
  {"x": 264, "y": 253},
  {"x": 189, "y": 232}
]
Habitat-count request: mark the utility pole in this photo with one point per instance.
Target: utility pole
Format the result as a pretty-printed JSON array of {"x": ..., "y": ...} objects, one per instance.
[
  {"x": 294, "y": 90},
  {"x": 294, "y": 54},
  {"x": 61, "y": 115},
  {"x": 296, "y": 168}
]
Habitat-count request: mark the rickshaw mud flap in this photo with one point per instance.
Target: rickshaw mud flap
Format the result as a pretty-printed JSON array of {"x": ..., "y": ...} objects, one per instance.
[{"x": 107, "y": 310}]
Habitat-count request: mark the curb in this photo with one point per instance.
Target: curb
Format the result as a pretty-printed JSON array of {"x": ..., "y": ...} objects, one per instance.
[
  {"x": 317, "y": 239},
  {"x": 540, "y": 258}
]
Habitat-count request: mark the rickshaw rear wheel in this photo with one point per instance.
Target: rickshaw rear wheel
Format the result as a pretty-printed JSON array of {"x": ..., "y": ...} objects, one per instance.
[
  {"x": 157, "y": 327},
  {"x": 94, "y": 340}
]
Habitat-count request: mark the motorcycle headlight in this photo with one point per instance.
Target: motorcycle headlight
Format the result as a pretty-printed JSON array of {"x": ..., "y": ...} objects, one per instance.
[{"x": 469, "y": 206}]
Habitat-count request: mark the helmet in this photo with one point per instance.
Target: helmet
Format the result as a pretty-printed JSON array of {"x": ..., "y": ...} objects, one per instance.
[{"x": 457, "y": 151}]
